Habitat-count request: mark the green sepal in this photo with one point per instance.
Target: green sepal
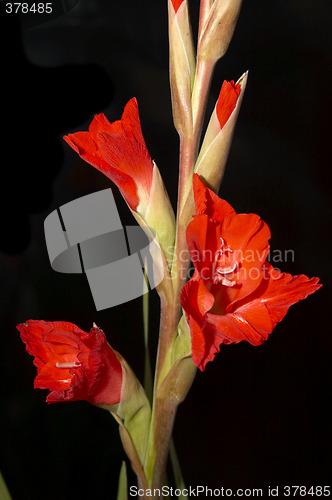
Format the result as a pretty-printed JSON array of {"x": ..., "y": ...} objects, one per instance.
[
  {"x": 134, "y": 410},
  {"x": 182, "y": 343},
  {"x": 4, "y": 492}
]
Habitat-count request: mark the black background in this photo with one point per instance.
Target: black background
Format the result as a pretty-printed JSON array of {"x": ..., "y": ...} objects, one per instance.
[{"x": 257, "y": 416}]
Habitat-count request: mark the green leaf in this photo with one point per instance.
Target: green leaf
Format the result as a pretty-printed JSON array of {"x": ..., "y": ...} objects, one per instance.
[
  {"x": 178, "y": 479},
  {"x": 122, "y": 488},
  {"x": 4, "y": 493}
]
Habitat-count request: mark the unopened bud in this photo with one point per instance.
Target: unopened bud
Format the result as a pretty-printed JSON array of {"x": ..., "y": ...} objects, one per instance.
[
  {"x": 213, "y": 155},
  {"x": 182, "y": 64},
  {"x": 217, "y": 32}
]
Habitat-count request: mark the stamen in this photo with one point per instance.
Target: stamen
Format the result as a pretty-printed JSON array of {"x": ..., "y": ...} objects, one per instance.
[
  {"x": 227, "y": 269},
  {"x": 221, "y": 258},
  {"x": 75, "y": 364},
  {"x": 226, "y": 282}
]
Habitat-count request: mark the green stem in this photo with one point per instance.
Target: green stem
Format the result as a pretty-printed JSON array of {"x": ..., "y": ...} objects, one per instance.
[
  {"x": 163, "y": 410},
  {"x": 169, "y": 319},
  {"x": 202, "y": 83},
  {"x": 179, "y": 271},
  {"x": 148, "y": 384}
]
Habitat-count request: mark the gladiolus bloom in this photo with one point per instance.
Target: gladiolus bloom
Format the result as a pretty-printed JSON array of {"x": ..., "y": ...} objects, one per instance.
[
  {"x": 234, "y": 294},
  {"x": 72, "y": 364},
  {"x": 118, "y": 150}
]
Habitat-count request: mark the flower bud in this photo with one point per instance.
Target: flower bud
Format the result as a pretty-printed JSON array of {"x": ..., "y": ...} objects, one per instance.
[
  {"x": 213, "y": 155},
  {"x": 218, "y": 29},
  {"x": 182, "y": 64}
]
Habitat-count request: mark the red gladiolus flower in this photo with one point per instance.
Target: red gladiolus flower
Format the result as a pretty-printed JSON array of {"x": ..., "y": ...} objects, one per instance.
[
  {"x": 234, "y": 294},
  {"x": 118, "y": 150},
  {"x": 72, "y": 364}
]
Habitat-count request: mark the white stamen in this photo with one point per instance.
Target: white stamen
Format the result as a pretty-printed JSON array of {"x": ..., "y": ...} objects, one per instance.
[
  {"x": 226, "y": 282},
  {"x": 75, "y": 364},
  {"x": 227, "y": 269},
  {"x": 220, "y": 272}
]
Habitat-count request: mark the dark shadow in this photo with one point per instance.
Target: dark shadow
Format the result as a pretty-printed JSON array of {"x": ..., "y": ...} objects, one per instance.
[{"x": 38, "y": 106}]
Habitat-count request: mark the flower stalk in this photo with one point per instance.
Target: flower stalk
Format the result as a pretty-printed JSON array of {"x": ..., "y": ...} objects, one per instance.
[{"x": 189, "y": 100}]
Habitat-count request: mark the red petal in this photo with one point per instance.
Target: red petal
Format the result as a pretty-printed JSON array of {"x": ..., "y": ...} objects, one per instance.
[
  {"x": 207, "y": 202},
  {"x": 101, "y": 124},
  {"x": 127, "y": 158},
  {"x": 63, "y": 335},
  {"x": 254, "y": 318},
  {"x": 279, "y": 291},
  {"x": 105, "y": 371},
  {"x": 227, "y": 100},
  {"x": 203, "y": 238},
  {"x": 248, "y": 236},
  {"x": 196, "y": 300},
  {"x": 131, "y": 122},
  {"x": 252, "y": 324},
  {"x": 82, "y": 143},
  {"x": 195, "y": 297}
]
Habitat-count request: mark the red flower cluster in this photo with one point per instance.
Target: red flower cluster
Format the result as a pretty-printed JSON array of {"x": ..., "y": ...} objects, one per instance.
[
  {"x": 72, "y": 364},
  {"x": 235, "y": 294}
]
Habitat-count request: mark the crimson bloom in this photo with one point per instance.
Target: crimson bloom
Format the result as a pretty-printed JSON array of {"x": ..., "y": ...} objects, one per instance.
[
  {"x": 234, "y": 294},
  {"x": 72, "y": 364},
  {"x": 118, "y": 150}
]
